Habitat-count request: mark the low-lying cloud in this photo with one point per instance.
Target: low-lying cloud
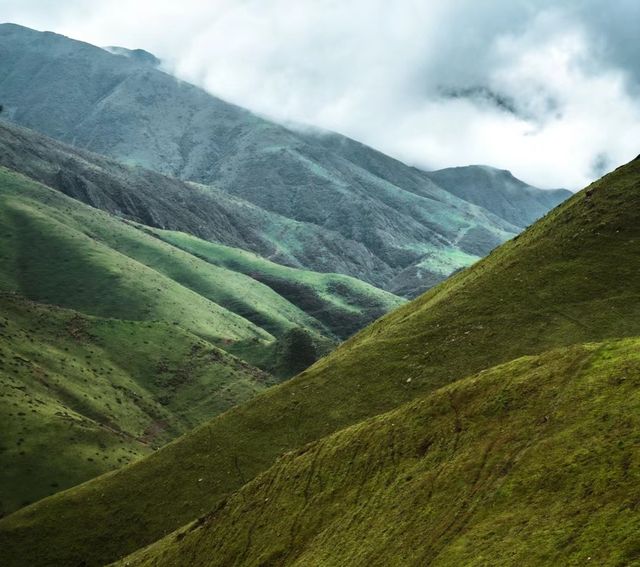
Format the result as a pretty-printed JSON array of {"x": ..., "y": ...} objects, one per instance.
[{"x": 550, "y": 91}]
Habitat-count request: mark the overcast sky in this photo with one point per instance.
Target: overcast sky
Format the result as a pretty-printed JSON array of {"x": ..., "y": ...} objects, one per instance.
[{"x": 547, "y": 89}]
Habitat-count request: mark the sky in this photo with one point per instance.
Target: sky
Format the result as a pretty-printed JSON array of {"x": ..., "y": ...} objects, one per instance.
[{"x": 549, "y": 90}]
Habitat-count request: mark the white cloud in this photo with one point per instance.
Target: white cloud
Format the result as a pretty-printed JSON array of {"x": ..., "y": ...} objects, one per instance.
[{"x": 549, "y": 92}]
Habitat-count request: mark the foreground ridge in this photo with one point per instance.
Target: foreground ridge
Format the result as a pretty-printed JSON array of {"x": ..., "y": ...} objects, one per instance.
[{"x": 530, "y": 463}]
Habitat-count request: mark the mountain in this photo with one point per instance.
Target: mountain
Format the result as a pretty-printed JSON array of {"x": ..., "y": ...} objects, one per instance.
[
  {"x": 386, "y": 217},
  {"x": 498, "y": 191},
  {"x": 570, "y": 279},
  {"x": 141, "y": 345},
  {"x": 533, "y": 462},
  {"x": 140, "y": 55},
  {"x": 165, "y": 202},
  {"x": 344, "y": 305},
  {"x": 42, "y": 217}
]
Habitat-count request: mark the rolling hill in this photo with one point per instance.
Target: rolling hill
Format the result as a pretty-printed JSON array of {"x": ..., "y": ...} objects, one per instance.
[
  {"x": 121, "y": 269},
  {"x": 355, "y": 211},
  {"x": 114, "y": 341},
  {"x": 82, "y": 395},
  {"x": 344, "y": 304},
  {"x": 571, "y": 278}
]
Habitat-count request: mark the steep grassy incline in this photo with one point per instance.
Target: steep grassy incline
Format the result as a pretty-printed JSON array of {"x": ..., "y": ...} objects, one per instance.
[
  {"x": 82, "y": 395},
  {"x": 57, "y": 251},
  {"x": 534, "y": 462},
  {"x": 343, "y": 304},
  {"x": 571, "y": 278},
  {"x": 121, "y": 270}
]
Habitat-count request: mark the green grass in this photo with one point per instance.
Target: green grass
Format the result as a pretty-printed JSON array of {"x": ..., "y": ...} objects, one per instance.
[
  {"x": 571, "y": 278},
  {"x": 341, "y": 303},
  {"x": 51, "y": 258},
  {"x": 533, "y": 462},
  {"x": 81, "y": 395},
  {"x": 152, "y": 310},
  {"x": 59, "y": 251}
]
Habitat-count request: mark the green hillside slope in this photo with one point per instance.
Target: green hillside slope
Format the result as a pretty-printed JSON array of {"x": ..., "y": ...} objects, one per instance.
[
  {"x": 113, "y": 268},
  {"x": 534, "y": 462},
  {"x": 337, "y": 301},
  {"x": 57, "y": 251},
  {"x": 82, "y": 395},
  {"x": 571, "y": 278}
]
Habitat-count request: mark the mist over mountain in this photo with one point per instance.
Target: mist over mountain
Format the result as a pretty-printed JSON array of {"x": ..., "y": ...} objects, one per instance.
[{"x": 386, "y": 216}]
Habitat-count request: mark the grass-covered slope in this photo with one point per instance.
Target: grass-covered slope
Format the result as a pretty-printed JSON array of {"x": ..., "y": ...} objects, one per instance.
[
  {"x": 113, "y": 275},
  {"x": 82, "y": 395},
  {"x": 59, "y": 251},
  {"x": 343, "y": 304},
  {"x": 533, "y": 462},
  {"x": 571, "y": 278}
]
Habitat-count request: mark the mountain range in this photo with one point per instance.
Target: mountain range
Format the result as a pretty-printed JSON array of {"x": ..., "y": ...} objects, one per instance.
[
  {"x": 225, "y": 341},
  {"x": 146, "y": 286},
  {"x": 355, "y": 211}
]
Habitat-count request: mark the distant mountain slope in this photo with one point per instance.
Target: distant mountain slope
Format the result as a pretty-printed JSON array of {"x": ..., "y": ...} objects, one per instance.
[
  {"x": 500, "y": 192},
  {"x": 390, "y": 215},
  {"x": 531, "y": 463},
  {"x": 82, "y": 395},
  {"x": 343, "y": 305},
  {"x": 164, "y": 202},
  {"x": 571, "y": 278}
]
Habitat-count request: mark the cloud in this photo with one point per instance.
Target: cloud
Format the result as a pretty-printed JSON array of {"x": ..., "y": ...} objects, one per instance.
[{"x": 546, "y": 89}]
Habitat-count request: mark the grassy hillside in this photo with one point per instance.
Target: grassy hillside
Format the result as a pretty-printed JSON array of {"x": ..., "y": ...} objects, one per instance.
[
  {"x": 83, "y": 395},
  {"x": 117, "y": 269},
  {"x": 534, "y": 462},
  {"x": 57, "y": 251},
  {"x": 335, "y": 300},
  {"x": 571, "y": 278}
]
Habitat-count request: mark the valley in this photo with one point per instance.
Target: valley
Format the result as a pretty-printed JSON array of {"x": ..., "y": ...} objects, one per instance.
[{"x": 231, "y": 340}]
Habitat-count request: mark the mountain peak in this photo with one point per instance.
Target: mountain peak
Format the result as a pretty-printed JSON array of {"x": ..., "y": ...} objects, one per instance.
[
  {"x": 139, "y": 55},
  {"x": 499, "y": 191}
]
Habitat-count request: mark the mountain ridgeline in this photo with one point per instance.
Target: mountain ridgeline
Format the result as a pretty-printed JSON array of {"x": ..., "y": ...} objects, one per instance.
[
  {"x": 308, "y": 199},
  {"x": 457, "y": 460}
]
